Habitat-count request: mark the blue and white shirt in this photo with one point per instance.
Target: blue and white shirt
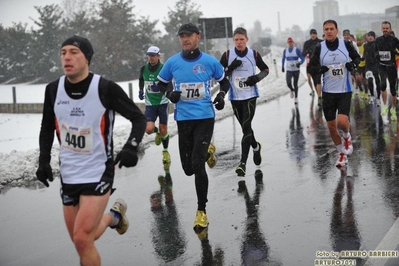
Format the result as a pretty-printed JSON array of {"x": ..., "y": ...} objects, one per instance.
[{"x": 193, "y": 78}]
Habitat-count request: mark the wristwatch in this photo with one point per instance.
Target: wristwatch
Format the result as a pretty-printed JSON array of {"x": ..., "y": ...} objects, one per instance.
[{"x": 133, "y": 142}]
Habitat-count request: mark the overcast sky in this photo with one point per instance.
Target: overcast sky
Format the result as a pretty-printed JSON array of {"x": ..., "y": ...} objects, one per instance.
[{"x": 243, "y": 12}]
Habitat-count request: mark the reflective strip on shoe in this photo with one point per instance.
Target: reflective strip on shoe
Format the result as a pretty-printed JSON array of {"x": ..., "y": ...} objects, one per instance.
[
  {"x": 240, "y": 170},
  {"x": 257, "y": 155}
]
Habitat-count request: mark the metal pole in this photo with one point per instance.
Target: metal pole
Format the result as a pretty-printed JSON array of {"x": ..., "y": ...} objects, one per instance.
[
  {"x": 203, "y": 27},
  {"x": 227, "y": 33},
  {"x": 131, "y": 90},
  {"x": 14, "y": 95},
  {"x": 275, "y": 67}
]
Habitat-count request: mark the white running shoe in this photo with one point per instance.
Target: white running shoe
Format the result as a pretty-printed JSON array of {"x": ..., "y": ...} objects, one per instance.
[
  {"x": 342, "y": 161},
  {"x": 378, "y": 102},
  {"x": 296, "y": 100},
  {"x": 347, "y": 147},
  {"x": 371, "y": 100}
]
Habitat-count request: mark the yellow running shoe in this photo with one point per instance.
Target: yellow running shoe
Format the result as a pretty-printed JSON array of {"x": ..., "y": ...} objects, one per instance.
[
  {"x": 201, "y": 220},
  {"x": 166, "y": 158},
  {"x": 158, "y": 139},
  {"x": 384, "y": 110},
  {"x": 212, "y": 158},
  {"x": 393, "y": 115},
  {"x": 120, "y": 208}
]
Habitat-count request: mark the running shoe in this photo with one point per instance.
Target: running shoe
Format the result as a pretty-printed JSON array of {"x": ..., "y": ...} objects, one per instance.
[
  {"x": 119, "y": 208},
  {"x": 259, "y": 176},
  {"x": 166, "y": 157},
  {"x": 311, "y": 93},
  {"x": 371, "y": 100},
  {"x": 292, "y": 94},
  {"x": 240, "y": 170},
  {"x": 242, "y": 188},
  {"x": 296, "y": 101},
  {"x": 393, "y": 115},
  {"x": 320, "y": 102},
  {"x": 158, "y": 139},
  {"x": 342, "y": 161},
  {"x": 348, "y": 147},
  {"x": 202, "y": 233},
  {"x": 258, "y": 155},
  {"x": 384, "y": 111},
  {"x": 201, "y": 220},
  {"x": 377, "y": 101},
  {"x": 212, "y": 158}
]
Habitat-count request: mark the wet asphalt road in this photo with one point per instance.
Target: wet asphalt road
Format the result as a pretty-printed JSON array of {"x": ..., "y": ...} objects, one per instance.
[{"x": 301, "y": 207}]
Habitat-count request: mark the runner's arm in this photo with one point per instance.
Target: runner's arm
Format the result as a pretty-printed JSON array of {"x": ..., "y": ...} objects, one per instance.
[{"x": 46, "y": 136}]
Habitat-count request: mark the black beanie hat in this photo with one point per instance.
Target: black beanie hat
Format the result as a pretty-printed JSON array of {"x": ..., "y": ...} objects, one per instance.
[{"x": 82, "y": 43}]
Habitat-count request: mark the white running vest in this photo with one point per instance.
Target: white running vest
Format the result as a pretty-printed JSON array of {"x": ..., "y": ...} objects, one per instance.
[
  {"x": 337, "y": 78},
  {"x": 79, "y": 125},
  {"x": 291, "y": 59},
  {"x": 238, "y": 89}
]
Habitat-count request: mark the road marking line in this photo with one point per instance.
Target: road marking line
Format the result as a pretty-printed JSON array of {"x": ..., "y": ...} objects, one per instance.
[{"x": 389, "y": 242}]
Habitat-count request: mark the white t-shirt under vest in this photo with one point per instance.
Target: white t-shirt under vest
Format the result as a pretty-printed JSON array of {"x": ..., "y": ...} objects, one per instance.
[
  {"x": 238, "y": 88},
  {"x": 80, "y": 127},
  {"x": 337, "y": 78}
]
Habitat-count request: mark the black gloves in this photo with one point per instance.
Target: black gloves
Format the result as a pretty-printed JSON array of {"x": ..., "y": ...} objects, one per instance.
[
  {"x": 236, "y": 63},
  {"x": 44, "y": 173},
  {"x": 252, "y": 80},
  {"x": 350, "y": 66},
  {"x": 127, "y": 156},
  {"x": 298, "y": 64},
  {"x": 323, "y": 69},
  {"x": 141, "y": 94},
  {"x": 219, "y": 100},
  {"x": 283, "y": 69},
  {"x": 173, "y": 96}
]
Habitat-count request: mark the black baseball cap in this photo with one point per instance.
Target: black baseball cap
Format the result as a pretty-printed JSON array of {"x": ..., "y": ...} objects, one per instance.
[
  {"x": 188, "y": 28},
  {"x": 313, "y": 31}
]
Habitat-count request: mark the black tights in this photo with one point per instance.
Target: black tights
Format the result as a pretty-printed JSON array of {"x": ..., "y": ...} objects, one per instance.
[
  {"x": 244, "y": 111},
  {"x": 194, "y": 139}
]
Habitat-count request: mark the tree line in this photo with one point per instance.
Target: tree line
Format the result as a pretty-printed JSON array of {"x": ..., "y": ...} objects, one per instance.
[{"x": 119, "y": 37}]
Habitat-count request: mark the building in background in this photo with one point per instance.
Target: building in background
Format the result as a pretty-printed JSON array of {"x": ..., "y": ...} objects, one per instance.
[{"x": 323, "y": 10}]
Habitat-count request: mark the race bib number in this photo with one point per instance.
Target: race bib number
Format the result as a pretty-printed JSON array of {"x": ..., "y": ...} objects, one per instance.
[
  {"x": 385, "y": 55},
  {"x": 192, "y": 91},
  {"x": 291, "y": 64},
  {"x": 151, "y": 87},
  {"x": 77, "y": 139},
  {"x": 369, "y": 74},
  {"x": 239, "y": 83},
  {"x": 336, "y": 71}
]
